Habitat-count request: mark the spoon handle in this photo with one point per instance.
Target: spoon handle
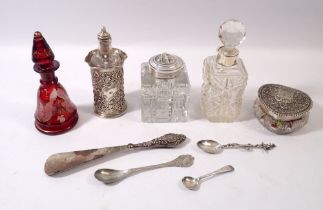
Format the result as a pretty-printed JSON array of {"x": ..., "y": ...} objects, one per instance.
[
  {"x": 180, "y": 161},
  {"x": 60, "y": 162},
  {"x": 224, "y": 169},
  {"x": 263, "y": 146}
]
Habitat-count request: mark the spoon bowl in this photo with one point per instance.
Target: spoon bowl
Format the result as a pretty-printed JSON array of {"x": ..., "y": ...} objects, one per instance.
[
  {"x": 191, "y": 183},
  {"x": 109, "y": 176},
  {"x": 209, "y": 146}
]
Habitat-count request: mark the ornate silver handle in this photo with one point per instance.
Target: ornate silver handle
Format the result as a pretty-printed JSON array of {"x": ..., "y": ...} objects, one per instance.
[
  {"x": 263, "y": 146},
  {"x": 169, "y": 140}
]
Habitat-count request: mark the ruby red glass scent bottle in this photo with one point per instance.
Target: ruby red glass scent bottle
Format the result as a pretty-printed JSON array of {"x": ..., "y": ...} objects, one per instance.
[{"x": 55, "y": 112}]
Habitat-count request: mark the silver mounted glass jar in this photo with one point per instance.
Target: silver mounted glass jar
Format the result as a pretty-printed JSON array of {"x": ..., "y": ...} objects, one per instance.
[
  {"x": 165, "y": 89},
  {"x": 282, "y": 109},
  {"x": 106, "y": 65}
]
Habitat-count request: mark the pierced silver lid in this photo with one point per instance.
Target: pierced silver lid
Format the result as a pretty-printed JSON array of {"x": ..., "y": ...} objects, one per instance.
[
  {"x": 165, "y": 65},
  {"x": 284, "y": 103}
]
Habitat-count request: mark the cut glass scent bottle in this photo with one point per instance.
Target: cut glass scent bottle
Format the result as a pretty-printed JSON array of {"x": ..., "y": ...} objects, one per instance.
[
  {"x": 224, "y": 76},
  {"x": 165, "y": 89}
]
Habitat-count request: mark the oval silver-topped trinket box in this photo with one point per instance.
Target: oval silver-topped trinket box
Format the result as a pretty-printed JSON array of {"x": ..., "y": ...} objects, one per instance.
[{"x": 282, "y": 109}]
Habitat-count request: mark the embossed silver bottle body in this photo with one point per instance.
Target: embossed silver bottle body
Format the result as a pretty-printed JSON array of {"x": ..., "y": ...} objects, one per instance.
[
  {"x": 108, "y": 90},
  {"x": 106, "y": 65}
]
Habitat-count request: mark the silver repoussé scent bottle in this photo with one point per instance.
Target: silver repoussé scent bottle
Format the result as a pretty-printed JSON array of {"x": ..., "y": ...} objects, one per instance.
[
  {"x": 165, "y": 89},
  {"x": 224, "y": 76},
  {"x": 106, "y": 65}
]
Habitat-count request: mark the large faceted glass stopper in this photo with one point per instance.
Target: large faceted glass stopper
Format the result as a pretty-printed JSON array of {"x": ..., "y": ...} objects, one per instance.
[{"x": 232, "y": 33}]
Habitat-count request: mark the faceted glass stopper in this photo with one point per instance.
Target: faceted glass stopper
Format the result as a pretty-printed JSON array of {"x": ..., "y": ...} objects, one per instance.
[{"x": 232, "y": 33}]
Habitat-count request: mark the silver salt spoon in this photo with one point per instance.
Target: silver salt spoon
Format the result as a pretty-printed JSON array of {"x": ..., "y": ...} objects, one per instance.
[
  {"x": 109, "y": 176},
  {"x": 213, "y": 147},
  {"x": 194, "y": 183}
]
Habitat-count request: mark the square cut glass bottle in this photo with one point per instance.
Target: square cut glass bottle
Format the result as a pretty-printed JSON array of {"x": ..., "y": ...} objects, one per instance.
[
  {"x": 222, "y": 89},
  {"x": 165, "y": 89},
  {"x": 224, "y": 76}
]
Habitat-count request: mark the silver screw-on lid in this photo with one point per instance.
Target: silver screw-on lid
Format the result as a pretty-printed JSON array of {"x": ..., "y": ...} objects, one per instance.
[
  {"x": 165, "y": 65},
  {"x": 284, "y": 103}
]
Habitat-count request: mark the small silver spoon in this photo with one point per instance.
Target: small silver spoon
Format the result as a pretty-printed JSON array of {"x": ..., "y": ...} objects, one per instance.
[
  {"x": 109, "y": 176},
  {"x": 213, "y": 147},
  {"x": 194, "y": 183}
]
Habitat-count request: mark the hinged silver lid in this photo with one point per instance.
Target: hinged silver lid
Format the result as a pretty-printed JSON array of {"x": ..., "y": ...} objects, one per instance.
[
  {"x": 165, "y": 65},
  {"x": 284, "y": 103}
]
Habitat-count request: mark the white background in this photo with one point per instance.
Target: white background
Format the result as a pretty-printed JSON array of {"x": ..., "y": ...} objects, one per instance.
[{"x": 284, "y": 45}]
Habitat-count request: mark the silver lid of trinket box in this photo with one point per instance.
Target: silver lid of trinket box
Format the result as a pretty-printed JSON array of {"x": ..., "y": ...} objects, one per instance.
[
  {"x": 165, "y": 65},
  {"x": 284, "y": 103}
]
